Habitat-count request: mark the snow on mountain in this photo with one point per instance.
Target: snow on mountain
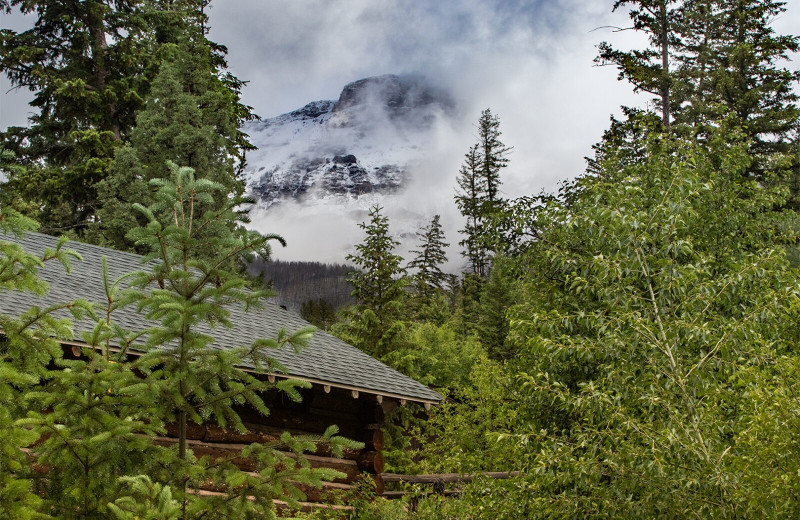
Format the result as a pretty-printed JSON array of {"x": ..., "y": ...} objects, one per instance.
[
  {"x": 391, "y": 140},
  {"x": 368, "y": 141}
]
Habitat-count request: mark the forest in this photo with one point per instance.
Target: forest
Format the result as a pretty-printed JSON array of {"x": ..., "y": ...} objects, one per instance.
[{"x": 623, "y": 347}]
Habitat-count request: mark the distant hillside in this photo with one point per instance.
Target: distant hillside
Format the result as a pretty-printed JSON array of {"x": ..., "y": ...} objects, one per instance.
[{"x": 299, "y": 282}]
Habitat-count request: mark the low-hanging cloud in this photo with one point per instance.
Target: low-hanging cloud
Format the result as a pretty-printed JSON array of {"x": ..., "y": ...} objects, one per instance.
[{"x": 530, "y": 62}]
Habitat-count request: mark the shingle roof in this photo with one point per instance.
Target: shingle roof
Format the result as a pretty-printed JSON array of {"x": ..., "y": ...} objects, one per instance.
[{"x": 326, "y": 359}]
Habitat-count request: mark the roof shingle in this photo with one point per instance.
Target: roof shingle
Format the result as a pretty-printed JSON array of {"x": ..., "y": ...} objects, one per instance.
[{"x": 325, "y": 360}]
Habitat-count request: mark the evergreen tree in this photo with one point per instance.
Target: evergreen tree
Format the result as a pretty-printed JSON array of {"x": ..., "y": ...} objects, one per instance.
[
  {"x": 648, "y": 70},
  {"x": 98, "y": 427},
  {"x": 495, "y": 300},
  {"x": 707, "y": 59},
  {"x": 188, "y": 289},
  {"x": 90, "y": 65},
  {"x": 470, "y": 202},
  {"x": 732, "y": 62},
  {"x": 28, "y": 345},
  {"x": 479, "y": 197},
  {"x": 429, "y": 258},
  {"x": 378, "y": 287},
  {"x": 86, "y": 64},
  {"x": 191, "y": 118},
  {"x": 493, "y": 158},
  {"x": 318, "y": 312},
  {"x": 379, "y": 282}
]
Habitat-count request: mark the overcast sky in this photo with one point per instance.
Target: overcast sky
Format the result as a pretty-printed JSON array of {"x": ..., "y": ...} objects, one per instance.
[{"x": 529, "y": 61}]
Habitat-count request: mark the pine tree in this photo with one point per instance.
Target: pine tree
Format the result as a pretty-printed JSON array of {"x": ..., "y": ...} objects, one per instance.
[
  {"x": 318, "y": 312},
  {"x": 479, "y": 197},
  {"x": 189, "y": 288},
  {"x": 86, "y": 64},
  {"x": 496, "y": 298},
  {"x": 379, "y": 281},
  {"x": 378, "y": 287},
  {"x": 493, "y": 158},
  {"x": 429, "y": 258},
  {"x": 98, "y": 427},
  {"x": 28, "y": 346}
]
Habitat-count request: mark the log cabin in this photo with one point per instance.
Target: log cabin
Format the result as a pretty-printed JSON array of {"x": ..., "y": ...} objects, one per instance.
[{"x": 348, "y": 387}]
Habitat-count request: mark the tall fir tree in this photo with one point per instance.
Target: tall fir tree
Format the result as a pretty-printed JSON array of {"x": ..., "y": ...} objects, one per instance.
[
  {"x": 429, "y": 259},
  {"x": 378, "y": 287},
  {"x": 734, "y": 62},
  {"x": 478, "y": 194},
  {"x": 86, "y": 64},
  {"x": 493, "y": 158},
  {"x": 188, "y": 289},
  {"x": 648, "y": 70},
  {"x": 90, "y": 66},
  {"x": 191, "y": 117},
  {"x": 470, "y": 203},
  {"x": 707, "y": 59}
]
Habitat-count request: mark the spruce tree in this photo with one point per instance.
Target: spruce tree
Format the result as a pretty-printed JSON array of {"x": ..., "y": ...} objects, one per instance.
[
  {"x": 28, "y": 346},
  {"x": 478, "y": 197},
  {"x": 378, "y": 287},
  {"x": 733, "y": 62},
  {"x": 190, "y": 117},
  {"x": 90, "y": 66},
  {"x": 648, "y": 70},
  {"x": 493, "y": 158},
  {"x": 189, "y": 288},
  {"x": 470, "y": 200},
  {"x": 85, "y": 63},
  {"x": 429, "y": 258},
  {"x": 98, "y": 427},
  {"x": 707, "y": 60}
]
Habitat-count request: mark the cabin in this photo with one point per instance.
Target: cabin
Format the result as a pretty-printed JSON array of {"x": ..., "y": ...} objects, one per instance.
[{"x": 348, "y": 387}]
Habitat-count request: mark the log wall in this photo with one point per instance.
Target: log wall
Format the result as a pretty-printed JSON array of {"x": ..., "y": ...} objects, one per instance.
[{"x": 359, "y": 419}]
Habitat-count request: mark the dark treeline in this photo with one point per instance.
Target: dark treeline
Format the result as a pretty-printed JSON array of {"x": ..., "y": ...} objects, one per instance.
[{"x": 300, "y": 282}]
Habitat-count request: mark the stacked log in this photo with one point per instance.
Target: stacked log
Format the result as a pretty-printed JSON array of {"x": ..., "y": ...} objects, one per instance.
[{"x": 357, "y": 419}]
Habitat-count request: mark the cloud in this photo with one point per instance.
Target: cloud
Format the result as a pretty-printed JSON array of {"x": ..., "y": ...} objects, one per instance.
[{"x": 530, "y": 62}]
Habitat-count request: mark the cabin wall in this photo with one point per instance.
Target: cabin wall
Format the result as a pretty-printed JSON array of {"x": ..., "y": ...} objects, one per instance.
[{"x": 358, "y": 418}]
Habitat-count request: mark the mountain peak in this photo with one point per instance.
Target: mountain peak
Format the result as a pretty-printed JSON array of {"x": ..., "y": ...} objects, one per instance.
[
  {"x": 396, "y": 93},
  {"x": 361, "y": 143}
]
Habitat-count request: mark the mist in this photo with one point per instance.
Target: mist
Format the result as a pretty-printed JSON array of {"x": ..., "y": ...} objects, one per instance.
[{"x": 531, "y": 63}]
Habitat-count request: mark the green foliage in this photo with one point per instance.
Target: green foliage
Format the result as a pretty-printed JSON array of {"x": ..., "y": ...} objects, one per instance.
[
  {"x": 29, "y": 343},
  {"x": 497, "y": 297},
  {"x": 318, "y": 312},
  {"x": 645, "y": 302},
  {"x": 707, "y": 60},
  {"x": 648, "y": 70},
  {"x": 435, "y": 355},
  {"x": 478, "y": 197},
  {"x": 429, "y": 258},
  {"x": 84, "y": 63},
  {"x": 187, "y": 291},
  {"x": 378, "y": 287},
  {"x": 461, "y": 434},
  {"x": 190, "y": 117},
  {"x": 147, "y": 500},
  {"x": 91, "y": 66}
]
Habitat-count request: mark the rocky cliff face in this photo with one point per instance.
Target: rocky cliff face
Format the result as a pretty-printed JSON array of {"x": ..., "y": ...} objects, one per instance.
[{"x": 364, "y": 142}]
